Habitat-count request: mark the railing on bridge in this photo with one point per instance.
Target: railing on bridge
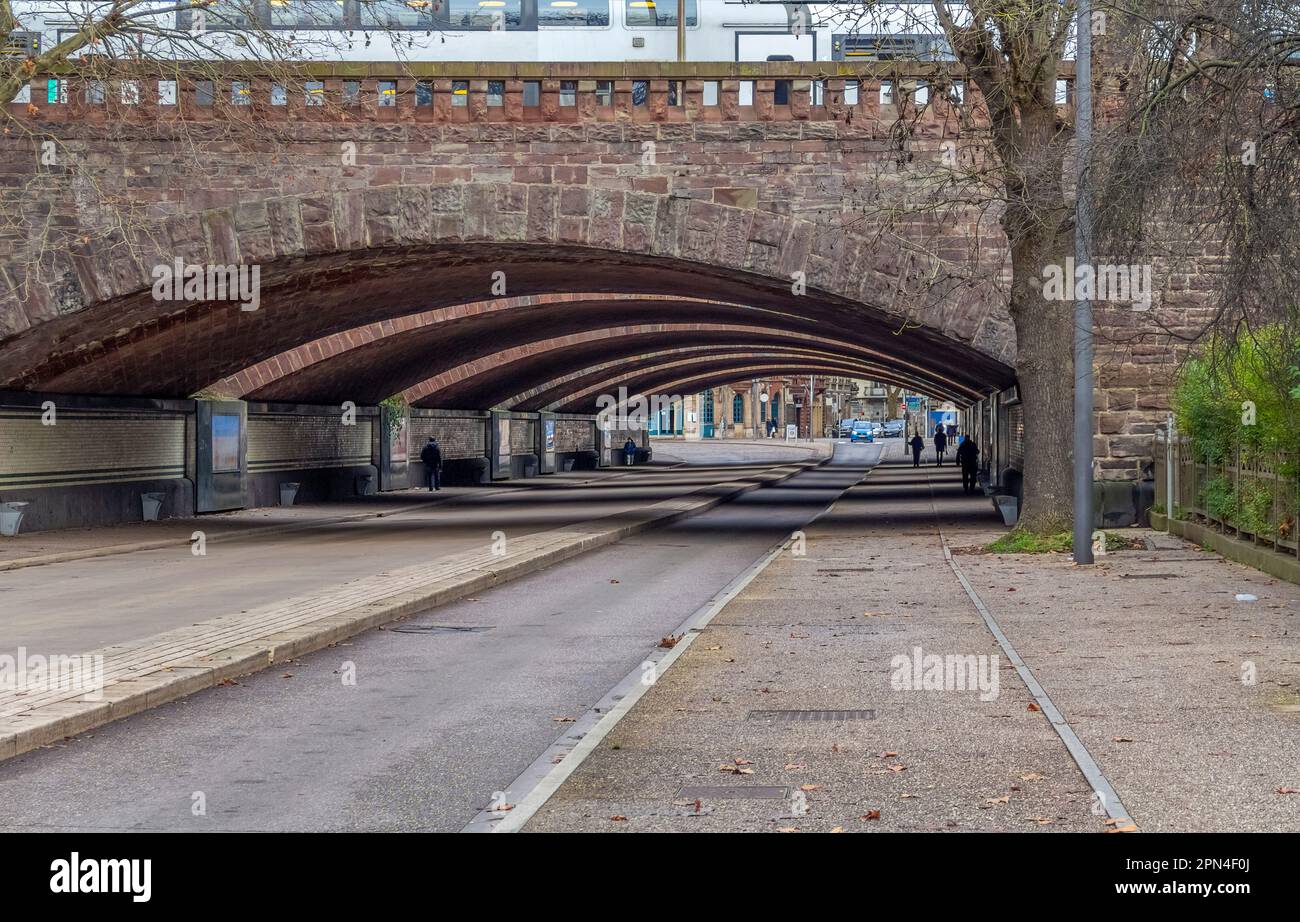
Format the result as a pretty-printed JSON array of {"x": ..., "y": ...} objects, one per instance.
[
  {"x": 1251, "y": 494},
  {"x": 467, "y": 92}
]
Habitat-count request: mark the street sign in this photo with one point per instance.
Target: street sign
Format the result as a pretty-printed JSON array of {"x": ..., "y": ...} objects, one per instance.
[{"x": 913, "y": 404}]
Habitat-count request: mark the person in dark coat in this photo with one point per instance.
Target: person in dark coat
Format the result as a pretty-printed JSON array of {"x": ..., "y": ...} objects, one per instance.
[
  {"x": 968, "y": 456},
  {"x": 918, "y": 445},
  {"x": 431, "y": 457},
  {"x": 629, "y": 451},
  {"x": 940, "y": 444}
]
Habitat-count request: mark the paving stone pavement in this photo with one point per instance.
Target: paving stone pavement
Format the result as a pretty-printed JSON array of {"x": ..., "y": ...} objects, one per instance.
[{"x": 1143, "y": 654}]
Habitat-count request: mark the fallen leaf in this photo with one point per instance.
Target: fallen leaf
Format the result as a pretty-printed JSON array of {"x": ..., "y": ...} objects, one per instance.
[
  {"x": 897, "y": 768},
  {"x": 564, "y": 720},
  {"x": 619, "y": 818},
  {"x": 1121, "y": 739},
  {"x": 287, "y": 675},
  {"x": 670, "y": 641},
  {"x": 888, "y": 755},
  {"x": 742, "y": 761},
  {"x": 1004, "y": 799},
  {"x": 870, "y": 815},
  {"x": 1288, "y": 790},
  {"x": 838, "y": 829},
  {"x": 787, "y": 829},
  {"x": 1031, "y": 776},
  {"x": 796, "y": 767},
  {"x": 1034, "y": 707},
  {"x": 807, "y": 787},
  {"x": 735, "y": 769},
  {"x": 1128, "y": 828},
  {"x": 613, "y": 581}
]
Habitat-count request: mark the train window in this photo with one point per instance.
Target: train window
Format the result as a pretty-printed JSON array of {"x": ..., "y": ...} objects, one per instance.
[
  {"x": 532, "y": 93},
  {"x": 387, "y": 94},
  {"x": 781, "y": 93},
  {"x": 204, "y": 93},
  {"x": 886, "y": 92},
  {"x": 674, "y": 92},
  {"x": 568, "y": 92},
  {"x": 56, "y": 92},
  {"x": 166, "y": 92},
  {"x": 604, "y": 92},
  {"x": 241, "y": 94},
  {"x": 424, "y": 93},
  {"x": 302, "y": 14},
  {"x": 279, "y": 96},
  {"x": 850, "y": 92},
  {"x": 496, "y": 93},
  {"x": 313, "y": 92},
  {"x": 746, "y": 93},
  {"x": 460, "y": 93},
  {"x": 957, "y": 92},
  {"x": 922, "y": 93},
  {"x": 24, "y": 94},
  {"x": 711, "y": 92},
  {"x": 485, "y": 14},
  {"x": 128, "y": 91},
  {"x": 95, "y": 93},
  {"x": 351, "y": 92},
  {"x": 817, "y": 93},
  {"x": 387, "y": 14},
  {"x": 640, "y": 92},
  {"x": 641, "y": 14},
  {"x": 573, "y": 12},
  {"x": 1062, "y": 93}
]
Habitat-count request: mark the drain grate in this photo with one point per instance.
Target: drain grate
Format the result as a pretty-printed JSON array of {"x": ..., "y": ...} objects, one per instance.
[
  {"x": 825, "y": 716},
  {"x": 732, "y": 792},
  {"x": 440, "y": 629}
]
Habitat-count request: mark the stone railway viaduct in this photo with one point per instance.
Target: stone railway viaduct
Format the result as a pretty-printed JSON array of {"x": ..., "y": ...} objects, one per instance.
[{"x": 497, "y": 244}]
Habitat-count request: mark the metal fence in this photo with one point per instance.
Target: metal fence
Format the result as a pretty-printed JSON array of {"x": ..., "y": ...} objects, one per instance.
[{"x": 1251, "y": 494}]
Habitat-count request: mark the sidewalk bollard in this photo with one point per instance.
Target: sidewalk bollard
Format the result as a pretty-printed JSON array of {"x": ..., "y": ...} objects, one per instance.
[
  {"x": 11, "y": 518},
  {"x": 1009, "y": 506},
  {"x": 288, "y": 492},
  {"x": 151, "y": 505}
]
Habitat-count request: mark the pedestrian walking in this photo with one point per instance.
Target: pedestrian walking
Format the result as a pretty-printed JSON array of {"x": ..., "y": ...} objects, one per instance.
[
  {"x": 968, "y": 456},
  {"x": 940, "y": 444},
  {"x": 431, "y": 457},
  {"x": 629, "y": 451},
  {"x": 918, "y": 445}
]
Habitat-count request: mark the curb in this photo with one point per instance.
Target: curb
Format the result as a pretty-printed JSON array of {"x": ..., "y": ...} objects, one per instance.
[{"x": 54, "y": 722}]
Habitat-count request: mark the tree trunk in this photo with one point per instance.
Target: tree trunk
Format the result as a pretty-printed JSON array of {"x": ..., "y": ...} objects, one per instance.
[{"x": 1044, "y": 369}]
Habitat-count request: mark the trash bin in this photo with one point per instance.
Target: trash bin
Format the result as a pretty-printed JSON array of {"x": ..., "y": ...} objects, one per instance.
[
  {"x": 288, "y": 491},
  {"x": 151, "y": 504},
  {"x": 365, "y": 484},
  {"x": 11, "y": 518},
  {"x": 1009, "y": 506}
]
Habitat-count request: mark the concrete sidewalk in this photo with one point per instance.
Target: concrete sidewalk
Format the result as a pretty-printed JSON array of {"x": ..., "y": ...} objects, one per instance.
[
  {"x": 1144, "y": 655},
  {"x": 61, "y": 545},
  {"x": 205, "y": 621}
]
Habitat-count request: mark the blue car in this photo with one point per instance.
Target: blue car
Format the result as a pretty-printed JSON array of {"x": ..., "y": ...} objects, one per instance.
[{"x": 862, "y": 432}]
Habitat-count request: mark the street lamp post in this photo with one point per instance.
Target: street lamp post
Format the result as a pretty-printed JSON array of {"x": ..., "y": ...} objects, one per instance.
[{"x": 1083, "y": 374}]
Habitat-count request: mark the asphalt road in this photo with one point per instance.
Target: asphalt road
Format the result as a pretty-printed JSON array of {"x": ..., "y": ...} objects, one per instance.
[
  {"x": 446, "y": 709},
  {"x": 82, "y": 605}
]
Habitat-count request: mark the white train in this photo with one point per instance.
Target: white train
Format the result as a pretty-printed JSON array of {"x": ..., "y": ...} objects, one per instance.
[{"x": 527, "y": 30}]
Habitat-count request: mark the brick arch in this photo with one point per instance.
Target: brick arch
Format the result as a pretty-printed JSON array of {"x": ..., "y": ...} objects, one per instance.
[
  {"x": 729, "y": 366},
  {"x": 492, "y": 379},
  {"x": 368, "y": 363},
  {"x": 332, "y": 261},
  {"x": 607, "y": 377}
]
